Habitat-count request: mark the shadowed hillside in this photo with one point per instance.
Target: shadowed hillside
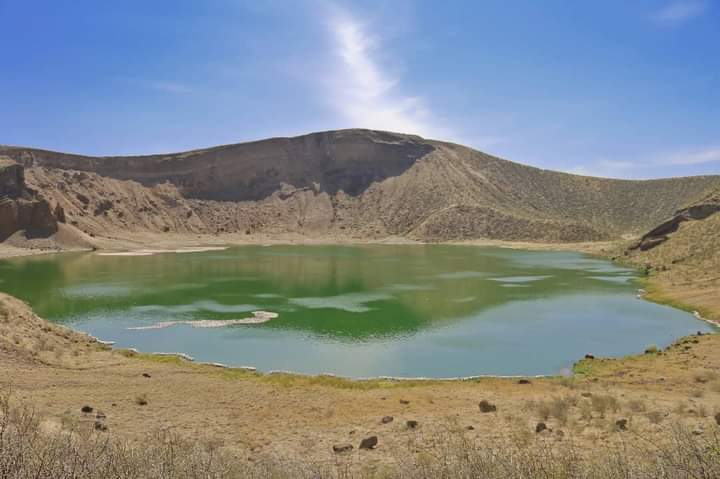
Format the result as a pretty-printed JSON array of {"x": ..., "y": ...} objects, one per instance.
[{"x": 354, "y": 183}]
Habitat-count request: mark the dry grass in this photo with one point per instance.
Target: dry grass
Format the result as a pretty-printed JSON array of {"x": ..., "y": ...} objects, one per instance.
[{"x": 27, "y": 451}]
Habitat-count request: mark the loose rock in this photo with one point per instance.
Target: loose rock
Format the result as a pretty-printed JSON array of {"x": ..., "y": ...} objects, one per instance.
[
  {"x": 621, "y": 424},
  {"x": 524, "y": 381},
  {"x": 387, "y": 419},
  {"x": 540, "y": 427},
  {"x": 486, "y": 406},
  {"x": 86, "y": 409},
  {"x": 369, "y": 442},
  {"x": 340, "y": 448},
  {"x": 412, "y": 424}
]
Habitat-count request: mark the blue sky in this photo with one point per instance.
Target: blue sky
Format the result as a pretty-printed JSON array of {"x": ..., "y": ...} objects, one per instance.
[{"x": 611, "y": 88}]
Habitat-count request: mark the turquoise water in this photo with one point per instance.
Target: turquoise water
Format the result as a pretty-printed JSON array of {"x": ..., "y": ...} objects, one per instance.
[{"x": 358, "y": 311}]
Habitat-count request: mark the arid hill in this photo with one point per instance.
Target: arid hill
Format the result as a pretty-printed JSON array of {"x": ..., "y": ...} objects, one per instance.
[
  {"x": 350, "y": 183},
  {"x": 684, "y": 252}
]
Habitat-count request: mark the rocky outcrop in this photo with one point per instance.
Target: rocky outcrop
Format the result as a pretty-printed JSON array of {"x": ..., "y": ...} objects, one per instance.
[
  {"x": 22, "y": 208},
  {"x": 12, "y": 178},
  {"x": 659, "y": 234}
]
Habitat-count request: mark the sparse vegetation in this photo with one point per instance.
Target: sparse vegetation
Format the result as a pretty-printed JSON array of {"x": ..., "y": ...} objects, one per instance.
[
  {"x": 26, "y": 451},
  {"x": 604, "y": 403}
]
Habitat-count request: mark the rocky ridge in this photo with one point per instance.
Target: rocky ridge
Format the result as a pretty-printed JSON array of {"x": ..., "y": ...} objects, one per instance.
[{"x": 358, "y": 184}]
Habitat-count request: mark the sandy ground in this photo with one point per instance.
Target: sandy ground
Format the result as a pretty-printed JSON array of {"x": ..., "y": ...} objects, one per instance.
[{"x": 145, "y": 243}]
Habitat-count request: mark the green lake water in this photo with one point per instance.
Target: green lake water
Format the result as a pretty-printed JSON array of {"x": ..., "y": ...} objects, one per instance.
[{"x": 357, "y": 311}]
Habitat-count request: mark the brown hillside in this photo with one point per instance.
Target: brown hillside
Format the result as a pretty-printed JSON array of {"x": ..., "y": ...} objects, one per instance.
[{"x": 355, "y": 183}]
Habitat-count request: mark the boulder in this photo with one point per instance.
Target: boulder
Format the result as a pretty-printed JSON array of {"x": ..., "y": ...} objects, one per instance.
[
  {"x": 369, "y": 442},
  {"x": 621, "y": 424},
  {"x": 486, "y": 406}
]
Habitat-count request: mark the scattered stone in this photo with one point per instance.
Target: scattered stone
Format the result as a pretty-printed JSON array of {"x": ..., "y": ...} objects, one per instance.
[
  {"x": 524, "y": 381},
  {"x": 387, "y": 419},
  {"x": 717, "y": 418},
  {"x": 100, "y": 415},
  {"x": 100, "y": 426},
  {"x": 621, "y": 424},
  {"x": 470, "y": 428},
  {"x": 412, "y": 424},
  {"x": 145, "y": 375},
  {"x": 540, "y": 427},
  {"x": 340, "y": 448},
  {"x": 586, "y": 394},
  {"x": 486, "y": 406},
  {"x": 404, "y": 401},
  {"x": 369, "y": 442},
  {"x": 86, "y": 409},
  {"x": 697, "y": 431}
]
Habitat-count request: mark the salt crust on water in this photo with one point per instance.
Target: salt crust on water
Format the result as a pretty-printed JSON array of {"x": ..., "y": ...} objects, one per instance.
[{"x": 258, "y": 318}]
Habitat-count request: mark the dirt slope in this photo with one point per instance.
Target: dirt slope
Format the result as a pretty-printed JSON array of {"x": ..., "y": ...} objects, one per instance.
[
  {"x": 350, "y": 183},
  {"x": 683, "y": 253}
]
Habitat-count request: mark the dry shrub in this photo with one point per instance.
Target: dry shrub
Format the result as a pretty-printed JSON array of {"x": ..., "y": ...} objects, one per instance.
[
  {"x": 637, "y": 405},
  {"x": 28, "y": 452},
  {"x": 655, "y": 417},
  {"x": 604, "y": 403}
]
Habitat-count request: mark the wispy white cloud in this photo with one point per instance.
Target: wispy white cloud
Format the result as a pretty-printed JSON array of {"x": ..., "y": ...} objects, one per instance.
[
  {"x": 680, "y": 11},
  {"x": 367, "y": 95},
  {"x": 605, "y": 168},
  {"x": 696, "y": 157}
]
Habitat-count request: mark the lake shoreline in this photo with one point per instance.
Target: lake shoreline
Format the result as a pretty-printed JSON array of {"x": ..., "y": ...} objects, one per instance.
[
  {"x": 400, "y": 373},
  {"x": 294, "y": 416}
]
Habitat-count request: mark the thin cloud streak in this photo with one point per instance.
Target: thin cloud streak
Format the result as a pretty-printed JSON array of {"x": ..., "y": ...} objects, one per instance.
[
  {"x": 694, "y": 158},
  {"x": 604, "y": 168},
  {"x": 680, "y": 11},
  {"x": 366, "y": 95}
]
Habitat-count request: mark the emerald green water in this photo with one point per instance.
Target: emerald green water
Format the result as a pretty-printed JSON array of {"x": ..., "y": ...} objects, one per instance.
[{"x": 359, "y": 311}]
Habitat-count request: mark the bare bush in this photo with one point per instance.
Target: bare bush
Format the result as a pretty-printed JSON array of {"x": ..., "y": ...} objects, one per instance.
[{"x": 28, "y": 452}]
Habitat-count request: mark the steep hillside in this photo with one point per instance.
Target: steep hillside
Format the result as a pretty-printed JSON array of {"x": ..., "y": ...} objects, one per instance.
[
  {"x": 353, "y": 183},
  {"x": 27, "y": 218},
  {"x": 684, "y": 254}
]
